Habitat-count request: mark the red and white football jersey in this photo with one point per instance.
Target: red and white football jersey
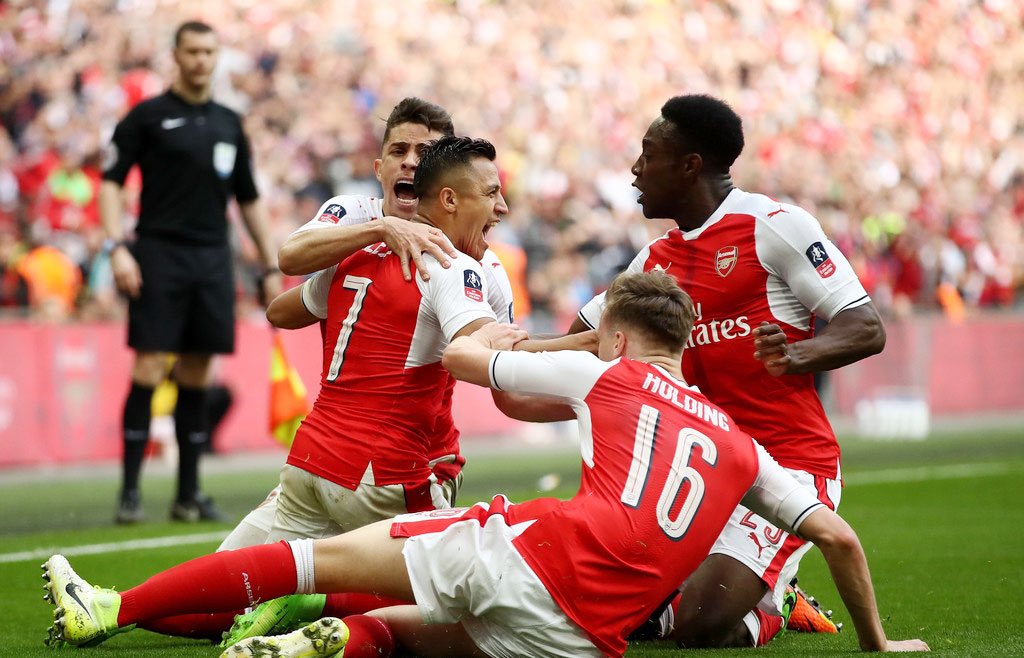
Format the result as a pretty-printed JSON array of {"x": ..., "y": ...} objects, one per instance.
[
  {"x": 756, "y": 260},
  {"x": 345, "y": 210},
  {"x": 382, "y": 385},
  {"x": 349, "y": 210},
  {"x": 663, "y": 470}
]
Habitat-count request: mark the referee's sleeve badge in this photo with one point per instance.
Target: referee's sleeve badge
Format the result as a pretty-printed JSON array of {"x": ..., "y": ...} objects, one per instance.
[{"x": 224, "y": 158}]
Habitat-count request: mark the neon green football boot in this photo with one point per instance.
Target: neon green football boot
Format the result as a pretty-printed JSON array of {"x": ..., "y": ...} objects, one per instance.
[
  {"x": 84, "y": 615},
  {"x": 276, "y": 616},
  {"x": 326, "y": 637}
]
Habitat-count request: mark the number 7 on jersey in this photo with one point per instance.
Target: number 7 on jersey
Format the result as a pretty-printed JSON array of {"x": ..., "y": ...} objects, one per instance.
[{"x": 359, "y": 284}]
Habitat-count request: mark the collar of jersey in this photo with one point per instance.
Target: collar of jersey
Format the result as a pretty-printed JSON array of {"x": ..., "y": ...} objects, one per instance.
[
  {"x": 178, "y": 99},
  {"x": 673, "y": 378},
  {"x": 721, "y": 211}
]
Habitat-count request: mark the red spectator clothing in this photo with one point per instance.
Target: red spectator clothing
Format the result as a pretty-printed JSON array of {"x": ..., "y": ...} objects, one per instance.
[{"x": 756, "y": 260}]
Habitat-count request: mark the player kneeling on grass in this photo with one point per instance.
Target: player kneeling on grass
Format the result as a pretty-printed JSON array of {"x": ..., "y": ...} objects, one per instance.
[{"x": 663, "y": 470}]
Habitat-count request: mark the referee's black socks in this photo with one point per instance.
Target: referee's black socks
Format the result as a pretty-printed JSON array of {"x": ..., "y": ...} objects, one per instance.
[
  {"x": 191, "y": 423},
  {"x": 135, "y": 427}
]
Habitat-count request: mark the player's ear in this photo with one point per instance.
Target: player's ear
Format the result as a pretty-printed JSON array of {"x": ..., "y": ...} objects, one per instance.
[
  {"x": 376, "y": 168},
  {"x": 691, "y": 165},
  {"x": 449, "y": 199},
  {"x": 619, "y": 348}
]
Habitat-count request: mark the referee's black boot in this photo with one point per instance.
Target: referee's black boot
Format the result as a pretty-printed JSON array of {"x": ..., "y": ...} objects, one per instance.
[
  {"x": 129, "y": 510},
  {"x": 199, "y": 508}
]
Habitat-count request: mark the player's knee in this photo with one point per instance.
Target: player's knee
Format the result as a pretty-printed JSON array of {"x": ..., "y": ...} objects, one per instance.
[{"x": 701, "y": 628}]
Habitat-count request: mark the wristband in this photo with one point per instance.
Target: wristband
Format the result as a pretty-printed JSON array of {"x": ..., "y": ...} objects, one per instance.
[{"x": 109, "y": 245}]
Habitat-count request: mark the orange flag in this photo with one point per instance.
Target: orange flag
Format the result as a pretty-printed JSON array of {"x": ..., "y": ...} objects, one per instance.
[{"x": 288, "y": 405}]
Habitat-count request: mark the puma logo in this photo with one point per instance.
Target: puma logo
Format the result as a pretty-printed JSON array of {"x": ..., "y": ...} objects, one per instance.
[
  {"x": 759, "y": 546},
  {"x": 772, "y": 214}
]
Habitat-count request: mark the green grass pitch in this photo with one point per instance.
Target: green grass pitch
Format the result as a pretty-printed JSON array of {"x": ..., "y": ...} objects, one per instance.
[{"x": 941, "y": 522}]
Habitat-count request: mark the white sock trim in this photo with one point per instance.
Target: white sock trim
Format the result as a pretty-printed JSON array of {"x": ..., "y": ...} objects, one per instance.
[
  {"x": 753, "y": 625},
  {"x": 302, "y": 551}
]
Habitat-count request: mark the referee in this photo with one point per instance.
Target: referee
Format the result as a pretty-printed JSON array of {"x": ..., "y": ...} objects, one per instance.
[{"x": 178, "y": 272}]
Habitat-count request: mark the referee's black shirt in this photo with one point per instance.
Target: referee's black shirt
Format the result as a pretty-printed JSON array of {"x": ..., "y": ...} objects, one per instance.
[{"x": 192, "y": 157}]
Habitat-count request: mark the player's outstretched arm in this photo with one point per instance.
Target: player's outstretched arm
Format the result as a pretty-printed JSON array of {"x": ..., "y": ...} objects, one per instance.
[
  {"x": 585, "y": 341},
  {"x": 309, "y": 251},
  {"x": 853, "y": 334},
  {"x": 468, "y": 356},
  {"x": 849, "y": 567},
  {"x": 288, "y": 312}
]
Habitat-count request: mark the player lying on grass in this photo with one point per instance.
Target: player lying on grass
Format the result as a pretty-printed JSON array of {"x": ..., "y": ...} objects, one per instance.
[{"x": 663, "y": 469}]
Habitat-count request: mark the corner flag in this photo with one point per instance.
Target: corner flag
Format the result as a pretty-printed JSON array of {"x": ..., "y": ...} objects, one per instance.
[{"x": 288, "y": 405}]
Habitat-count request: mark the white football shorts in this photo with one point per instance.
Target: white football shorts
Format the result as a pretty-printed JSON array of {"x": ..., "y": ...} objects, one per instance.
[
  {"x": 307, "y": 506},
  {"x": 770, "y": 552},
  {"x": 472, "y": 573}
]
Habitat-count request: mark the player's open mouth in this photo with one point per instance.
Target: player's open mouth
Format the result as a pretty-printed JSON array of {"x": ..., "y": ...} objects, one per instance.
[
  {"x": 404, "y": 190},
  {"x": 487, "y": 227}
]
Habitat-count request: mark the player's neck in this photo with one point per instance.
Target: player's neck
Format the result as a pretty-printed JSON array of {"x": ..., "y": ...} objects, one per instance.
[
  {"x": 420, "y": 218},
  {"x": 640, "y": 350},
  {"x": 704, "y": 202},
  {"x": 669, "y": 364},
  {"x": 190, "y": 94}
]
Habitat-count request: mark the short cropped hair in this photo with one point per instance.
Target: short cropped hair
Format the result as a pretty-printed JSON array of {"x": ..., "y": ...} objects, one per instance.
[
  {"x": 708, "y": 126},
  {"x": 424, "y": 113},
  {"x": 445, "y": 155},
  {"x": 190, "y": 26},
  {"x": 653, "y": 304}
]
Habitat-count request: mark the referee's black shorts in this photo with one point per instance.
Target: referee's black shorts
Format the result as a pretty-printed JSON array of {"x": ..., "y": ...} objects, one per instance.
[{"x": 187, "y": 301}]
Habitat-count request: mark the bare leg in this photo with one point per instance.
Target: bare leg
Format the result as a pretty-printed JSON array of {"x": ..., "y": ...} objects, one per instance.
[
  {"x": 366, "y": 560},
  {"x": 194, "y": 370},
  {"x": 715, "y": 598},
  {"x": 429, "y": 641}
]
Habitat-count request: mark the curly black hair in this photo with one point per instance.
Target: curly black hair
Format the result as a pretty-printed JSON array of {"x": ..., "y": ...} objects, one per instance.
[{"x": 709, "y": 127}]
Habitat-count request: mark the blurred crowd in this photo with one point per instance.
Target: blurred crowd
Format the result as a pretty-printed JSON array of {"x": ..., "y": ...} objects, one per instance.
[{"x": 898, "y": 124}]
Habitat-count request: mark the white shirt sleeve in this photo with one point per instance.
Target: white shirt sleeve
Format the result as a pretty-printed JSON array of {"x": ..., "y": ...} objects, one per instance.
[
  {"x": 315, "y": 291},
  {"x": 344, "y": 210},
  {"x": 457, "y": 295},
  {"x": 778, "y": 497},
  {"x": 793, "y": 247},
  {"x": 565, "y": 374},
  {"x": 592, "y": 310},
  {"x": 499, "y": 288}
]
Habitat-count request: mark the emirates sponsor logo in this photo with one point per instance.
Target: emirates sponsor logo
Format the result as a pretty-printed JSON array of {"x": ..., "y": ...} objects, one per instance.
[
  {"x": 716, "y": 330},
  {"x": 725, "y": 260}
]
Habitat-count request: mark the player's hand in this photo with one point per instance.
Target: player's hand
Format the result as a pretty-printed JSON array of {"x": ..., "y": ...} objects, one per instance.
[
  {"x": 771, "y": 349},
  {"x": 127, "y": 275},
  {"x": 499, "y": 336},
  {"x": 906, "y": 645},
  {"x": 410, "y": 240}
]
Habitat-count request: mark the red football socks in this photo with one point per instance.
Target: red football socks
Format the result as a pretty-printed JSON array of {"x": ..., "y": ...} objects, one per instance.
[
  {"x": 770, "y": 627},
  {"x": 200, "y": 626},
  {"x": 368, "y": 637},
  {"x": 343, "y": 605},
  {"x": 219, "y": 582}
]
